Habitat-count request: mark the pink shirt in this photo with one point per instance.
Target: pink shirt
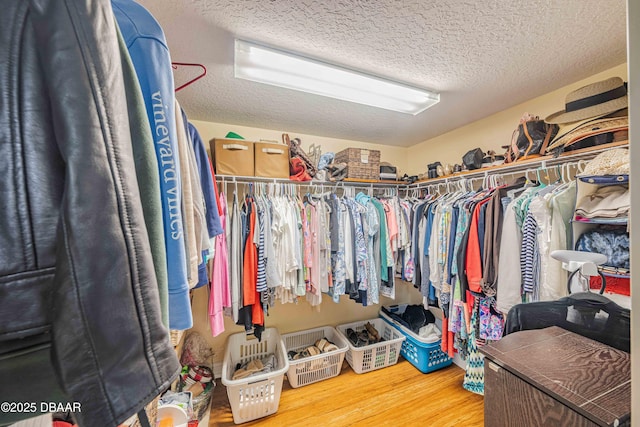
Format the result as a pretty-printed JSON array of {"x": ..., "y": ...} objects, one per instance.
[
  {"x": 392, "y": 225},
  {"x": 220, "y": 295}
]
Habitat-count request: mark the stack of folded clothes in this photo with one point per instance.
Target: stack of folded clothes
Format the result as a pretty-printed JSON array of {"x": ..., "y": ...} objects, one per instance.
[{"x": 609, "y": 202}]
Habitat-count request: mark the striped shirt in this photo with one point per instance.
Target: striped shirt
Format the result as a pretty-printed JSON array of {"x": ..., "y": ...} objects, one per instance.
[{"x": 529, "y": 255}]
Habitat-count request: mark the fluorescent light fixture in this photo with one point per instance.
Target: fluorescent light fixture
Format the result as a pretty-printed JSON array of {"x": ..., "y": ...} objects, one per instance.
[{"x": 271, "y": 66}]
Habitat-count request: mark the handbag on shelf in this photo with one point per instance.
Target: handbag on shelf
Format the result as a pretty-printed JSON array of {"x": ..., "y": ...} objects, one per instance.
[
  {"x": 296, "y": 151},
  {"x": 530, "y": 139},
  {"x": 473, "y": 159},
  {"x": 432, "y": 170}
]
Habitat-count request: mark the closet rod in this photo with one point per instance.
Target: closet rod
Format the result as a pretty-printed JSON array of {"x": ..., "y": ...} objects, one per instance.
[
  {"x": 254, "y": 179},
  {"x": 542, "y": 162}
]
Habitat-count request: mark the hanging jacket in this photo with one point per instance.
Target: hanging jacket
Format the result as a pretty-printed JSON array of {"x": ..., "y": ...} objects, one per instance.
[
  {"x": 80, "y": 318},
  {"x": 473, "y": 265}
]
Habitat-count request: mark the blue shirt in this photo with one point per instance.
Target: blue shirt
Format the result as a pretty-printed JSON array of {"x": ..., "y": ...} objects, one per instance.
[{"x": 150, "y": 56}]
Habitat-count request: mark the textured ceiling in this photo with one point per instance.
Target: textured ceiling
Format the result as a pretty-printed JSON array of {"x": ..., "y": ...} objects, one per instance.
[{"x": 482, "y": 56}]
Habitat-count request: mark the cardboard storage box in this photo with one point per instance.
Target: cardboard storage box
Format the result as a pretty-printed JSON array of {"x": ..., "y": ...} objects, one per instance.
[
  {"x": 233, "y": 156},
  {"x": 271, "y": 160}
]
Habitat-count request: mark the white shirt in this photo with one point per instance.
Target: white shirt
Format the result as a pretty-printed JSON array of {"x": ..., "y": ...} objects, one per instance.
[{"x": 509, "y": 272}]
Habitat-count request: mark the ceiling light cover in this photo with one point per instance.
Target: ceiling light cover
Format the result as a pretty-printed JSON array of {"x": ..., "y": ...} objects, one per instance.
[{"x": 271, "y": 66}]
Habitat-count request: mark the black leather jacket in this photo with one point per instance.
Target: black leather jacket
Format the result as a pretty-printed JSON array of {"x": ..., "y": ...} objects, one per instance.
[{"x": 79, "y": 308}]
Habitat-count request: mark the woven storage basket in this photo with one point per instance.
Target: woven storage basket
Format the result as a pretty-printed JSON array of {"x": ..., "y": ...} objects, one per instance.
[
  {"x": 312, "y": 369},
  {"x": 152, "y": 413},
  {"x": 361, "y": 163}
]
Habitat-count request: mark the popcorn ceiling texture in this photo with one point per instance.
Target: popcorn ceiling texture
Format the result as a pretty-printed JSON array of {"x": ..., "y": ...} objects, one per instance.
[{"x": 482, "y": 56}]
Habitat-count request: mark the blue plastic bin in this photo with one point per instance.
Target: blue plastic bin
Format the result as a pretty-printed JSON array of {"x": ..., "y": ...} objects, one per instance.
[{"x": 426, "y": 356}]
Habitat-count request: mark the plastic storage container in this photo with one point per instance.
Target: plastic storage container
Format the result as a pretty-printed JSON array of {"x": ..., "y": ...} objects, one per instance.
[
  {"x": 314, "y": 368},
  {"x": 424, "y": 355},
  {"x": 259, "y": 395},
  {"x": 373, "y": 356}
]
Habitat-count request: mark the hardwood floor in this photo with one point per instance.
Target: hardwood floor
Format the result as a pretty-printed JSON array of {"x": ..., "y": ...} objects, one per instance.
[{"x": 398, "y": 395}]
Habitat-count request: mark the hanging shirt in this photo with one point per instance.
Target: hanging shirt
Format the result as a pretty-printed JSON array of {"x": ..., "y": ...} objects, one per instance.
[
  {"x": 146, "y": 166},
  {"x": 384, "y": 272},
  {"x": 360, "y": 244},
  {"x": 204, "y": 244},
  {"x": 509, "y": 271},
  {"x": 372, "y": 227},
  {"x": 417, "y": 231},
  {"x": 235, "y": 258},
  {"x": 349, "y": 246},
  {"x": 474, "y": 259},
  {"x": 434, "y": 271},
  {"x": 214, "y": 226},
  {"x": 452, "y": 245},
  {"x": 258, "y": 240},
  {"x": 562, "y": 204},
  {"x": 271, "y": 263},
  {"x": 493, "y": 236},
  {"x": 219, "y": 296},
  {"x": 340, "y": 270},
  {"x": 250, "y": 261},
  {"x": 530, "y": 257},
  {"x": 150, "y": 56}
]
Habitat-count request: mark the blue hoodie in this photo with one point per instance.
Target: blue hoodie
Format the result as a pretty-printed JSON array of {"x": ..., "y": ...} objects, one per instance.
[{"x": 150, "y": 56}]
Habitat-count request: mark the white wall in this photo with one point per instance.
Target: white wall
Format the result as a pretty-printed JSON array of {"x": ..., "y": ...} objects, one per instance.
[
  {"x": 397, "y": 156},
  {"x": 490, "y": 132},
  {"x": 295, "y": 317},
  {"x": 494, "y": 131}
]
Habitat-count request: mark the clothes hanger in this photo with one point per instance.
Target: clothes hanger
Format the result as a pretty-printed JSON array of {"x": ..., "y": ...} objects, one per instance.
[
  {"x": 580, "y": 167},
  {"x": 529, "y": 181},
  {"x": 567, "y": 173},
  {"x": 203, "y": 72},
  {"x": 541, "y": 184},
  {"x": 558, "y": 175}
]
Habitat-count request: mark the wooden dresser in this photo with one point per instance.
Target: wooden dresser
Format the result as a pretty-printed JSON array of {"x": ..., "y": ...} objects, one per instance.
[{"x": 553, "y": 377}]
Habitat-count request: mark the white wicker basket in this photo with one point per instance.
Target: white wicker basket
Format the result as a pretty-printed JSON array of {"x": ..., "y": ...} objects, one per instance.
[
  {"x": 373, "y": 356},
  {"x": 255, "y": 396},
  {"x": 314, "y": 368}
]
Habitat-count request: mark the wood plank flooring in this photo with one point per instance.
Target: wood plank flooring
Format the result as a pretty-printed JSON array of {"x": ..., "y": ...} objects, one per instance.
[{"x": 398, "y": 395}]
